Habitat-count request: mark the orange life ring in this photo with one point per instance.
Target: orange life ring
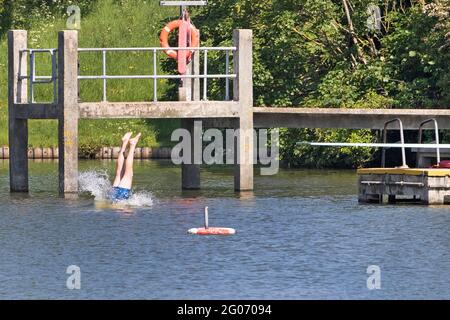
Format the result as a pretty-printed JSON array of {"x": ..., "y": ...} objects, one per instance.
[{"x": 164, "y": 38}]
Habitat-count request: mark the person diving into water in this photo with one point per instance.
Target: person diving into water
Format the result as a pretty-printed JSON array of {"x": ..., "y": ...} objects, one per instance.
[{"x": 121, "y": 189}]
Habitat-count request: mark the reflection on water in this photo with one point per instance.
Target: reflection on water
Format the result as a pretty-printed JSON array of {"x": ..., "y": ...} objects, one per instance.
[{"x": 300, "y": 234}]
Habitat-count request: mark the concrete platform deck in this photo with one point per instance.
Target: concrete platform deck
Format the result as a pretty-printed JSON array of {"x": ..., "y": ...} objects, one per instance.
[
  {"x": 299, "y": 117},
  {"x": 269, "y": 117},
  {"x": 160, "y": 109},
  {"x": 221, "y": 114}
]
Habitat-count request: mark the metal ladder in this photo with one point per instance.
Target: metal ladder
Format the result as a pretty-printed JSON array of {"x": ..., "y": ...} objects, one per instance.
[{"x": 402, "y": 140}]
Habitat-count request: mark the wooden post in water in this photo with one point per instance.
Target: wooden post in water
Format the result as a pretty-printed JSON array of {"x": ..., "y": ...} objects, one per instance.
[
  {"x": 18, "y": 128},
  {"x": 243, "y": 93},
  {"x": 68, "y": 111}
]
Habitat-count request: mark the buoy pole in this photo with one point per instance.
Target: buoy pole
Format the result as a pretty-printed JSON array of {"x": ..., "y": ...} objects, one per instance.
[{"x": 206, "y": 217}]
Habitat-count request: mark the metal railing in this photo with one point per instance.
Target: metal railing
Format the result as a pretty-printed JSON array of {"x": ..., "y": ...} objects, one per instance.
[
  {"x": 402, "y": 142},
  {"x": 155, "y": 76},
  {"x": 436, "y": 136},
  {"x": 35, "y": 79},
  {"x": 384, "y": 145}
]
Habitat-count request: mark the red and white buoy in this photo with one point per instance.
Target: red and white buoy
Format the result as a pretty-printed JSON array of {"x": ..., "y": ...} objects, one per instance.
[{"x": 207, "y": 230}]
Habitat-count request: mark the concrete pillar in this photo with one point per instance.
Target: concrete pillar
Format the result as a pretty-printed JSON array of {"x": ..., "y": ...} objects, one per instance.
[
  {"x": 435, "y": 190},
  {"x": 243, "y": 92},
  {"x": 190, "y": 173},
  {"x": 433, "y": 197},
  {"x": 68, "y": 111},
  {"x": 18, "y": 128},
  {"x": 190, "y": 90}
]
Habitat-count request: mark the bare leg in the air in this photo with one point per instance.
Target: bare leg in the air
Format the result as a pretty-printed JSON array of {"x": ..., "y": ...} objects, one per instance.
[
  {"x": 127, "y": 178},
  {"x": 121, "y": 159}
]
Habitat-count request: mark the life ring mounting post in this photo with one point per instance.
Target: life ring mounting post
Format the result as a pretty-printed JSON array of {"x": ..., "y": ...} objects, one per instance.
[{"x": 188, "y": 35}]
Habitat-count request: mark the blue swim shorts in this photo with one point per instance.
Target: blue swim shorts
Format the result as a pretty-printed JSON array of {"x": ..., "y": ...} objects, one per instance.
[{"x": 118, "y": 193}]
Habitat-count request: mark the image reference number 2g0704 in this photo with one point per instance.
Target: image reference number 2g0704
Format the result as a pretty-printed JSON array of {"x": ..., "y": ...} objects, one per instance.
[{"x": 250, "y": 309}]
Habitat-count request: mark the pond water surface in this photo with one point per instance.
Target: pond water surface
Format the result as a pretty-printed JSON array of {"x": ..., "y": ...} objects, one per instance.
[{"x": 301, "y": 234}]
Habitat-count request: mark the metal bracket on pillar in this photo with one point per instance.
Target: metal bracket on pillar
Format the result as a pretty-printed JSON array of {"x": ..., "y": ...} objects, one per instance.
[{"x": 183, "y": 3}]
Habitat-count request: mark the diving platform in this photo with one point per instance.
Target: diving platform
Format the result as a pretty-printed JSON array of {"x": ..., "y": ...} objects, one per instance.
[
  {"x": 67, "y": 107},
  {"x": 269, "y": 117},
  {"x": 236, "y": 110},
  {"x": 422, "y": 185}
]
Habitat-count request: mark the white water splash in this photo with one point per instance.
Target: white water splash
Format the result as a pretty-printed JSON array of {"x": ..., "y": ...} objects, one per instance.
[
  {"x": 97, "y": 184},
  {"x": 139, "y": 199}
]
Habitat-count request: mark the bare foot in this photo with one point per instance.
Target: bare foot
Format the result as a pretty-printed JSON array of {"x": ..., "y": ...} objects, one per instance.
[
  {"x": 127, "y": 136},
  {"x": 134, "y": 141},
  {"x": 125, "y": 140}
]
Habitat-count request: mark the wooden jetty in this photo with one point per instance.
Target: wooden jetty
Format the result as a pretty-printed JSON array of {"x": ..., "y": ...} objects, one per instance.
[{"x": 427, "y": 186}]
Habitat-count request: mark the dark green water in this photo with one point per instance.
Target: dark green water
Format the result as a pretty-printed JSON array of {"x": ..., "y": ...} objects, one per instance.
[{"x": 300, "y": 235}]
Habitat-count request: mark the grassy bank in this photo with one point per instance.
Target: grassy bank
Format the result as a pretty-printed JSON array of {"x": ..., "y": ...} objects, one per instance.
[{"x": 130, "y": 23}]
